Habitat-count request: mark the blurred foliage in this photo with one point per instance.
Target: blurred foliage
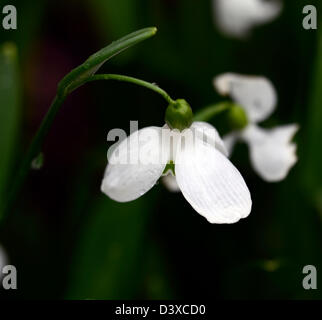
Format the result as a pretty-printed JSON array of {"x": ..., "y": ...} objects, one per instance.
[
  {"x": 29, "y": 23},
  {"x": 10, "y": 112},
  {"x": 69, "y": 241},
  {"x": 314, "y": 154},
  {"x": 109, "y": 256}
]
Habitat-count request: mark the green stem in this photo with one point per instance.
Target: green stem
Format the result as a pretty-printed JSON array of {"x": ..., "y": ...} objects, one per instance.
[
  {"x": 39, "y": 138},
  {"x": 139, "y": 82},
  {"x": 207, "y": 113}
]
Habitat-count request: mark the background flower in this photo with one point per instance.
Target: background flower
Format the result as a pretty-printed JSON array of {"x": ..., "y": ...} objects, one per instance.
[
  {"x": 237, "y": 18},
  {"x": 271, "y": 151}
]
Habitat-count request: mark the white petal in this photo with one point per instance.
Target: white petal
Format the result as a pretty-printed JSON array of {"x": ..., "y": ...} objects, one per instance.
[
  {"x": 254, "y": 93},
  {"x": 170, "y": 182},
  {"x": 271, "y": 151},
  {"x": 236, "y": 18},
  {"x": 135, "y": 165},
  {"x": 229, "y": 140},
  {"x": 284, "y": 133},
  {"x": 223, "y": 82},
  {"x": 209, "y": 134},
  {"x": 211, "y": 184}
]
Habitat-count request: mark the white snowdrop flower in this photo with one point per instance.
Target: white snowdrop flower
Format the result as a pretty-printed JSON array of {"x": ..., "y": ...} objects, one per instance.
[
  {"x": 272, "y": 153},
  {"x": 203, "y": 173},
  {"x": 236, "y": 18},
  {"x": 3, "y": 260}
]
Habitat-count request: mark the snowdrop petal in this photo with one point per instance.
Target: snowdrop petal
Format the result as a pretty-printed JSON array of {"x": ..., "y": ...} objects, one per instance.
[
  {"x": 271, "y": 152},
  {"x": 170, "y": 183},
  {"x": 230, "y": 139},
  {"x": 284, "y": 134},
  {"x": 209, "y": 134},
  {"x": 236, "y": 18},
  {"x": 254, "y": 93},
  {"x": 223, "y": 82},
  {"x": 135, "y": 165},
  {"x": 211, "y": 184}
]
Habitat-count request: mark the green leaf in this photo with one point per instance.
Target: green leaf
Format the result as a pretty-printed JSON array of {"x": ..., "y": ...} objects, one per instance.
[
  {"x": 9, "y": 111},
  {"x": 77, "y": 76},
  {"x": 110, "y": 251}
]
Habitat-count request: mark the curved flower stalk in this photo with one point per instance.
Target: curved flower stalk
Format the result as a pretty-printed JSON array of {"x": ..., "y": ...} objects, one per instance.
[
  {"x": 236, "y": 18},
  {"x": 197, "y": 157},
  {"x": 272, "y": 153}
]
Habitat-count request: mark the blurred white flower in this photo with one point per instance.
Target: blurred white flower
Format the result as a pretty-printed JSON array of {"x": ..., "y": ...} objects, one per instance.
[
  {"x": 272, "y": 153},
  {"x": 205, "y": 176},
  {"x": 236, "y": 18}
]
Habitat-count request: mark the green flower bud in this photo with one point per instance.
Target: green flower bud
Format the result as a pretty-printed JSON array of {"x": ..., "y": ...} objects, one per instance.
[
  {"x": 179, "y": 115},
  {"x": 237, "y": 117}
]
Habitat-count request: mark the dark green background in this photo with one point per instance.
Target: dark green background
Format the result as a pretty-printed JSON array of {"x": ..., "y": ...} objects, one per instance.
[{"x": 68, "y": 240}]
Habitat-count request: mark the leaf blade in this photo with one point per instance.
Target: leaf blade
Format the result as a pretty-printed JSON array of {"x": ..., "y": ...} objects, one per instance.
[{"x": 72, "y": 80}]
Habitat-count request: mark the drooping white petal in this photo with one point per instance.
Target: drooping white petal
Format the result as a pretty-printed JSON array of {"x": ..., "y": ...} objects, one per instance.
[
  {"x": 170, "y": 182},
  {"x": 257, "y": 95},
  {"x": 135, "y": 165},
  {"x": 254, "y": 93},
  {"x": 271, "y": 151},
  {"x": 211, "y": 184},
  {"x": 236, "y": 18},
  {"x": 209, "y": 134},
  {"x": 229, "y": 140},
  {"x": 284, "y": 133},
  {"x": 223, "y": 82}
]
